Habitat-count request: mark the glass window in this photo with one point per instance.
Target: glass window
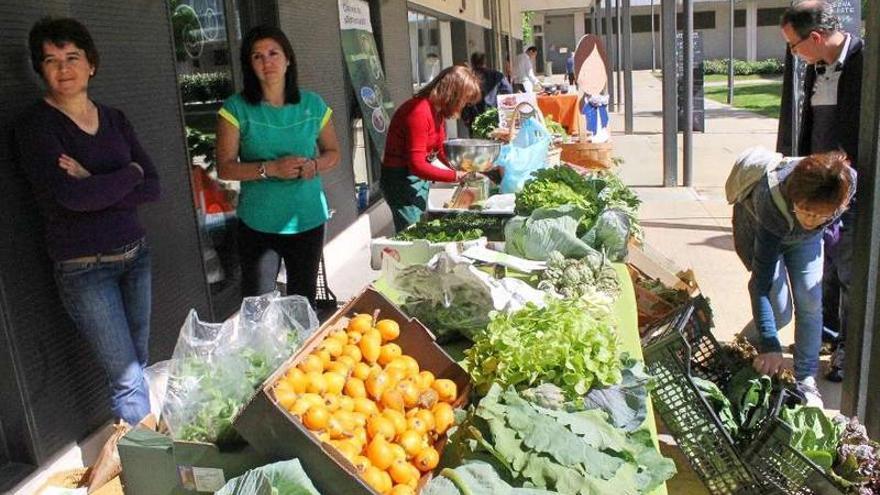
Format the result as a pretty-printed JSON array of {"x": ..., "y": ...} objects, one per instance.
[
  {"x": 424, "y": 43},
  {"x": 204, "y": 52}
]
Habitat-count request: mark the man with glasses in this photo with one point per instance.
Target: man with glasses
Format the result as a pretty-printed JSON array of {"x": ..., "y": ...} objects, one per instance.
[{"x": 829, "y": 121}]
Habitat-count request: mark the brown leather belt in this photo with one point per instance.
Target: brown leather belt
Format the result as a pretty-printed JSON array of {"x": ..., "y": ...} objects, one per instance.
[{"x": 108, "y": 258}]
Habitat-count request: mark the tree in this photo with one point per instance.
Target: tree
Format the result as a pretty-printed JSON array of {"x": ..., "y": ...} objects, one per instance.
[{"x": 527, "y": 29}]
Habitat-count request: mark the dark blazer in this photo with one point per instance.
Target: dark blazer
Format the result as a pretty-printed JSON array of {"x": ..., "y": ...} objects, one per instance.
[{"x": 849, "y": 96}]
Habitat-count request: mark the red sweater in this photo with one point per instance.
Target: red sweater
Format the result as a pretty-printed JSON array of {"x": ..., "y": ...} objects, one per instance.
[{"x": 415, "y": 132}]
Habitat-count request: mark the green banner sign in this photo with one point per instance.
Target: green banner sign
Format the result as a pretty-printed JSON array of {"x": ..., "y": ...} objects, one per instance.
[{"x": 365, "y": 69}]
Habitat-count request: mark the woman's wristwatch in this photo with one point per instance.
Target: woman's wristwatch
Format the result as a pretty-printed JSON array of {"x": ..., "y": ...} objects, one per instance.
[{"x": 262, "y": 170}]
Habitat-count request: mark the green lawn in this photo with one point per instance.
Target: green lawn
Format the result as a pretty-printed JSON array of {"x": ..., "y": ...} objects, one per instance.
[
  {"x": 759, "y": 98},
  {"x": 752, "y": 77}
]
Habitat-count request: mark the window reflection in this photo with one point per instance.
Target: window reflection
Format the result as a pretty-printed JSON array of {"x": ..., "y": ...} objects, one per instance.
[
  {"x": 204, "y": 52},
  {"x": 425, "y": 49}
]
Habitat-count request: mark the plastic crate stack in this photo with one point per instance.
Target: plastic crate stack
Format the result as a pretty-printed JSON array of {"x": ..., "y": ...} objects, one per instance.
[{"x": 682, "y": 347}]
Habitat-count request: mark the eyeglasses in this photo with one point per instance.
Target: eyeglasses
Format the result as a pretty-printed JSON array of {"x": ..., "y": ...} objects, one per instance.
[{"x": 793, "y": 47}]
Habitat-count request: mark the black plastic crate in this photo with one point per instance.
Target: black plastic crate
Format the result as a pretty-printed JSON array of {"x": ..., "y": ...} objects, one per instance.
[
  {"x": 324, "y": 297},
  {"x": 782, "y": 466},
  {"x": 677, "y": 349}
]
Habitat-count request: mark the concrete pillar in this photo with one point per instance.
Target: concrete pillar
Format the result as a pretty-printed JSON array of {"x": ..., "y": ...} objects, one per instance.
[
  {"x": 579, "y": 26},
  {"x": 751, "y": 30}
]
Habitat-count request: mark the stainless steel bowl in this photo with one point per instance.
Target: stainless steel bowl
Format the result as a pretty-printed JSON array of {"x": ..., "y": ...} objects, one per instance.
[{"x": 472, "y": 155}]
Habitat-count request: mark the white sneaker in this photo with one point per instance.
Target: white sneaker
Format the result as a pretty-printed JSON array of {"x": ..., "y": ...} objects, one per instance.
[{"x": 810, "y": 391}]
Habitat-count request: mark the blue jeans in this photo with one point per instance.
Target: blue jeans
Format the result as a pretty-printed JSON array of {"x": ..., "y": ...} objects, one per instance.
[
  {"x": 109, "y": 302},
  {"x": 798, "y": 276}
]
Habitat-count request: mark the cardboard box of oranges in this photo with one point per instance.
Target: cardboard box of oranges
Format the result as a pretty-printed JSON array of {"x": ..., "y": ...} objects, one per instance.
[{"x": 364, "y": 405}]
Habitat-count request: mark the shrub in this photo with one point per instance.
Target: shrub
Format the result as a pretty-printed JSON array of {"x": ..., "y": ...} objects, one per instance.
[
  {"x": 204, "y": 87},
  {"x": 744, "y": 68}
]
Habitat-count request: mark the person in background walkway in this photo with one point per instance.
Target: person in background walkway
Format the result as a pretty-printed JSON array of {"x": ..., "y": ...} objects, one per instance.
[
  {"x": 524, "y": 78},
  {"x": 277, "y": 140},
  {"x": 569, "y": 68},
  {"x": 414, "y": 151},
  {"x": 777, "y": 229},
  {"x": 492, "y": 84},
  {"x": 89, "y": 174},
  {"x": 431, "y": 68},
  {"x": 830, "y": 121}
]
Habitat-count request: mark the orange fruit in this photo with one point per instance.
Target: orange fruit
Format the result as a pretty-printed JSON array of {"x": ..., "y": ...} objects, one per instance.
[
  {"x": 365, "y": 406},
  {"x": 285, "y": 395},
  {"x": 339, "y": 367},
  {"x": 397, "y": 451},
  {"x": 376, "y": 384},
  {"x": 373, "y": 477},
  {"x": 386, "y": 482},
  {"x": 397, "y": 419},
  {"x": 331, "y": 402},
  {"x": 297, "y": 379},
  {"x": 359, "y": 324},
  {"x": 417, "y": 424},
  {"x": 311, "y": 363},
  {"x": 361, "y": 371},
  {"x": 316, "y": 417},
  {"x": 389, "y": 329},
  {"x": 427, "y": 417},
  {"x": 444, "y": 417},
  {"x": 325, "y": 358},
  {"x": 354, "y": 388},
  {"x": 353, "y": 352},
  {"x": 334, "y": 382},
  {"x": 402, "y": 490},
  {"x": 400, "y": 471},
  {"x": 332, "y": 346},
  {"x": 360, "y": 436},
  {"x": 427, "y": 459},
  {"x": 446, "y": 389},
  {"x": 425, "y": 380},
  {"x": 427, "y": 398},
  {"x": 379, "y": 453},
  {"x": 370, "y": 346},
  {"x": 346, "y": 403},
  {"x": 381, "y": 426},
  {"x": 361, "y": 463},
  {"x": 354, "y": 338},
  {"x": 410, "y": 392},
  {"x": 316, "y": 382},
  {"x": 392, "y": 399},
  {"x": 347, "y": 448},
  {"x": 412, "y": 366},
  {"x": 389, "y": 352},
  {"x": 412, "y": 442},
  {"x": 304, "y": 402}
]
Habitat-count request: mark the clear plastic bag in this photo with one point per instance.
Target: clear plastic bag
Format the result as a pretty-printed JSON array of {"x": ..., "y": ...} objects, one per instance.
[
  {"x": 450, "y": 296},
  {"x": 216, "y": 367}
]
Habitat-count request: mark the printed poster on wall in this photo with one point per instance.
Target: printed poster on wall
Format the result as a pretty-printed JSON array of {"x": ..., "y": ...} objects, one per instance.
[{"x": 365, "y": 69}]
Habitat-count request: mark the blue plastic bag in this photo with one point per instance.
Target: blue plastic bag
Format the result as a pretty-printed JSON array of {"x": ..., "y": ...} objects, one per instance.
[{"x": 524, "y": 155}]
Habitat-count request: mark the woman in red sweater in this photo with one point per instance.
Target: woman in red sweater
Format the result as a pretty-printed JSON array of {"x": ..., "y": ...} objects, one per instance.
[{"x": 414, "y": 153}]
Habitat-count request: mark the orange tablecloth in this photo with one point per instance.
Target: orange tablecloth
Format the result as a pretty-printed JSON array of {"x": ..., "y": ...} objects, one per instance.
[{"x": 563, "y": 109}]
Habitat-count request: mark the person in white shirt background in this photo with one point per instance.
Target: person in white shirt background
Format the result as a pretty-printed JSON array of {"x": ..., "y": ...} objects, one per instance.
[{"x": 524, "y": 78}]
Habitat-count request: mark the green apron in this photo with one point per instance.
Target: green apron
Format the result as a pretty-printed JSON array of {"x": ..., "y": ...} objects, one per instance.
[{"x": 406, "y": 195}]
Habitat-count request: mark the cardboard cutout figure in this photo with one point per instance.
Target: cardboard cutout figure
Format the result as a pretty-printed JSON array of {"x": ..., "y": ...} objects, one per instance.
[{"x": 590, "y": 64}]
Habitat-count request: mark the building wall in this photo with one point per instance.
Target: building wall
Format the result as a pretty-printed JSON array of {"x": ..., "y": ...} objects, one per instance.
[
  {"x": 465, "y": 10},
  {"x": 391, "y": 28},
  {"x": 313, "y": 29},
  {"x": 52, "y": 365}
]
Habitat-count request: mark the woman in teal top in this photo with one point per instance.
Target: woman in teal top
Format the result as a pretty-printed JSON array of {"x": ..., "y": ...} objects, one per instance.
[{"x": 277, "y": 140}]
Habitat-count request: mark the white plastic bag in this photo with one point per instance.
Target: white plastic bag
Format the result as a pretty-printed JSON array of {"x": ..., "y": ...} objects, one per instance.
[{"x": 216, "y": 368}]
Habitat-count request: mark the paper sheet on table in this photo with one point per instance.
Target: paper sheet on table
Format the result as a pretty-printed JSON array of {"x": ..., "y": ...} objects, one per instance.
[{"x": 483, "y": 254}]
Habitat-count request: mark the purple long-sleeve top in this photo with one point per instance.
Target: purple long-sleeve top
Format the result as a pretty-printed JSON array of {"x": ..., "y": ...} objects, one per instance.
[{"x": 97, "y": 214}]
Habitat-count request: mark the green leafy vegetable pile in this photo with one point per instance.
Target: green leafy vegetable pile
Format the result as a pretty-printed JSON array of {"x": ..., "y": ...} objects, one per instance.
[
  {"x": 858, "y": 459},
  {"x": 570, "y": 342},
  {"x": 285, "y": 477},
  {"x": 461, "y": 227},
  {"x": 557, "y": 186},
  {"x": 574, "y": 278},
  {"x": 485, "y": 123},
  {"x": 475, "y": 478},
  {"x": 569, "y": 452},
  {"x": 448, "y": 297}
]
